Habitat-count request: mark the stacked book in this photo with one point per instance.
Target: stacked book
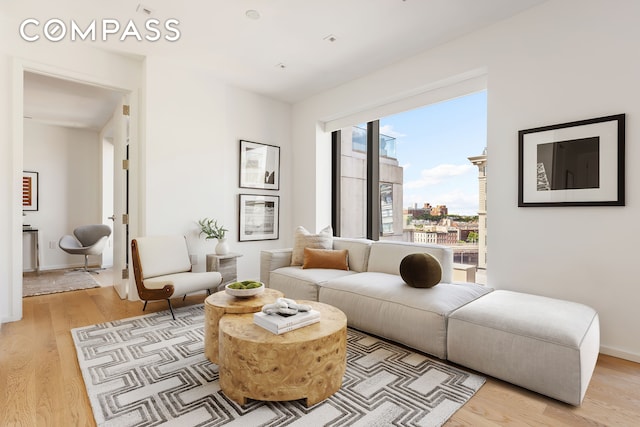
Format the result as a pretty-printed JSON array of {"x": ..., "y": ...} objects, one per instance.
[{"x": 279, "y": 324}]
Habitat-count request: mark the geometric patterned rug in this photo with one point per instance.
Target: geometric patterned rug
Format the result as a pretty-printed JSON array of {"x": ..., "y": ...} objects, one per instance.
[
  {"x": 51, "y": 282},
  {"x": 151, "y": 370}
]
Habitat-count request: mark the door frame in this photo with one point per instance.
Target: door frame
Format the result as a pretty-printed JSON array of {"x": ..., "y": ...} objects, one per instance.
[{"x": 19, "y": 67}]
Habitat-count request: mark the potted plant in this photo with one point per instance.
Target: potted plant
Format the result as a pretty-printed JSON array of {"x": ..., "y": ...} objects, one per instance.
[{"x": 211, "y": 229}]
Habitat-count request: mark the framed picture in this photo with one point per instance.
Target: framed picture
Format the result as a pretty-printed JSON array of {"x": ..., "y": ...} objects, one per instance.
[
  {"x": 259, "y": 166},
  {"x": 259, "y": 217},
  {"x": 573, "y": 164},
  {"x": 29, "y": 191}
]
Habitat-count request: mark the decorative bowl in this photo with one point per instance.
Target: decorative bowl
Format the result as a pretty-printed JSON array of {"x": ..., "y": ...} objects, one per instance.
[{"x": 244, "y": 293}]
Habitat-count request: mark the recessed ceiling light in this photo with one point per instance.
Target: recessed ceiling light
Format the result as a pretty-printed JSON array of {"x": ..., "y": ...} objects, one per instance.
[
  {"x": 281, "y": 65},
  {"x": 144, "y": 10},
  {"x": 252, "y": 14},
  {"x": 330, "y": 38}
]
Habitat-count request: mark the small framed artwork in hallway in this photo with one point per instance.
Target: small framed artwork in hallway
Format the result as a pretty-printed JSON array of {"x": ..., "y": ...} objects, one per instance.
[{"x": 29, "y": 191}]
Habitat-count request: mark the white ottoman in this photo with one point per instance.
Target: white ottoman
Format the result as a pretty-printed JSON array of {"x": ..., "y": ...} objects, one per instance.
[{"x": 543, "y": 344}]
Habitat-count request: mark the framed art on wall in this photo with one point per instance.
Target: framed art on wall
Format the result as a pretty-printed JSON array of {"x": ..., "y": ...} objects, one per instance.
[
  {"x": 259, "y": 166},
  {"x": 29, "y": 191},
  {"x": 259, "y": 217},
  {"x": 573, "y": 164}
]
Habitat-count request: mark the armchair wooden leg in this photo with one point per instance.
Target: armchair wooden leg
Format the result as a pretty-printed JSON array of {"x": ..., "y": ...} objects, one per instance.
[
  {"x": 171, "y": 309},
  {"x": 145, "y": 305}
]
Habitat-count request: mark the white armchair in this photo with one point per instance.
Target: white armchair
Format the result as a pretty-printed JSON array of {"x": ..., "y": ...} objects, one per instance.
[{"x": 162, "y": 269}]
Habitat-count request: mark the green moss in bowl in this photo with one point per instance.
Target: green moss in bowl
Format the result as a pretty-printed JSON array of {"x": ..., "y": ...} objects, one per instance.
[{"x": 246, "y": 288}]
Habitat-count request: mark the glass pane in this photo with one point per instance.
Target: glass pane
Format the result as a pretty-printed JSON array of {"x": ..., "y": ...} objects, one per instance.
[
  {"x": 391, "y": 190},
  {"x": 353, "y": 177},
  {"x": 433, "y": 177},
  {"x": 386, "y": 209}
]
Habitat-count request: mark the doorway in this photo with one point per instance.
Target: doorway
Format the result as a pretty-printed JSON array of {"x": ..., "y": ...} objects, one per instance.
[
  {"x": 22, "y": 79},
  {"x": 65, "y": 129}
]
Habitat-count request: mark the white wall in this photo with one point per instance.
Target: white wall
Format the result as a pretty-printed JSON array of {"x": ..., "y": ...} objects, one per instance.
[
  {"x": 187, "y": 154},
  {"x": 558, "y": 62},
  {"x": 72, "y": 60},
  {"x": 194, "y": 125},
  {"x": 68, "y": 163}
]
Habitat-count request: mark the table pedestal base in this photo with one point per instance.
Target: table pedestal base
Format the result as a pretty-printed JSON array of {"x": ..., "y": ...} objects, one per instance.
[{"x": 307, "y": 363}]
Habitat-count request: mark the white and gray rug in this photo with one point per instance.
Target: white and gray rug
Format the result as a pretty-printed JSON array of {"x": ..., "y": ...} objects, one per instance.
[
  {"x": 151, "y": 370},
  {"x": 51, "y": 282}
]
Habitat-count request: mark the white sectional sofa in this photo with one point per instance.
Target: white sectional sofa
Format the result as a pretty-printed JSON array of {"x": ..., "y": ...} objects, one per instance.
[{"x": 546, "y": 345}]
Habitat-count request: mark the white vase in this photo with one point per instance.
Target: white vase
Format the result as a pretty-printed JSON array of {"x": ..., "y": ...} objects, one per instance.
[{"x": 222, "y": 248}]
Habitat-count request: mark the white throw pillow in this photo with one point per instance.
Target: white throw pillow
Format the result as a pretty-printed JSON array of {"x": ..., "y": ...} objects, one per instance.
[{"x": 304, "y": 239}]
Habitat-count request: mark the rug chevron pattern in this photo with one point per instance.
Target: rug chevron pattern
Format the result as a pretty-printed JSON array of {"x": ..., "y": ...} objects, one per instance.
[{"x": 151, "y": 370}]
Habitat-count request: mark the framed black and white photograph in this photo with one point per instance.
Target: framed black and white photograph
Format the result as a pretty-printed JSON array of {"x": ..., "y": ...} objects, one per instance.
[
  {"x": 573, "y": 164},
  {"x": 259, "y": 166},
  {"x": 29, "y": 191},
  {"x": 259, "y": 217}
]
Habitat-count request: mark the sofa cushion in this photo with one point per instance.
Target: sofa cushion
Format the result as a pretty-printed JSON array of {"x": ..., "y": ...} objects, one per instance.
[
  {"x": 421, "y": 270},
  {"x": 358, "y": 251},
  {"x": 326, "y": 258},
  {"x": 385, "y": 257},
  {"x": 161, "y": 255},
  {"x": 185, "y": 283},
  {"x": 382, "y": 304},
  {"x": 297, "y": 283},
  {"x": 544, "y": 344},
  {"x": 304, "y": 239}
]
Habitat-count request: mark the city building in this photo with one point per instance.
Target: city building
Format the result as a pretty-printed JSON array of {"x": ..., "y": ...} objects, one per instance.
[
  {"x": 440, "y": 210},
  {"x": 427, "y": 209},
  {"x": 352, "y": 177},
  {"x": 481, "y": 162}
]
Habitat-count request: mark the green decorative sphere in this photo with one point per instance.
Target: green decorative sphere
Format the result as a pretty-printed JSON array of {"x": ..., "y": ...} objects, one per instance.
[{"x": 421, "y": 270}]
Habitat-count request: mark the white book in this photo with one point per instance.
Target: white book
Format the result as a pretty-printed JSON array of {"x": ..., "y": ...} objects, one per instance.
[
  {"x": 276, "y": 323},
  {"x": 282, "y": 330}
]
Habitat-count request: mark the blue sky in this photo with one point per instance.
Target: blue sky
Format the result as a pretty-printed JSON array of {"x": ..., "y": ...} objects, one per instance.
[{"x": 433, "y": 144}]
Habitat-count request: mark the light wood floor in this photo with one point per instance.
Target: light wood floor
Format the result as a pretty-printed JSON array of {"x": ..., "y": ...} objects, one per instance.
[{"x": 41, "y": 384}]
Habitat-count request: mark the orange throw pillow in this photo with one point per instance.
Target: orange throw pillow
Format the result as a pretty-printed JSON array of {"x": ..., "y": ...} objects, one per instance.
[{"x": 326, "y": 258}]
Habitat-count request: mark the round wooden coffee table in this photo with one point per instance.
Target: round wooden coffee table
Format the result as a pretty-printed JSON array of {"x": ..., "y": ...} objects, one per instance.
[
  {"x": 304, "y": 363},
  {"x": 221, "y": 303}
]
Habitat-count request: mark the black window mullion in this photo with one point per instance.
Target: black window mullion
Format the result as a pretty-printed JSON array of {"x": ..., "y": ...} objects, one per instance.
[
  {"x": 373, "y": 179},
  {"x": 336, "y": 177}
]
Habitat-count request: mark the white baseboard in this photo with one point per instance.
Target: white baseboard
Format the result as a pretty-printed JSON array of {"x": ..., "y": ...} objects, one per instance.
[
  {"x": 620, "y": 354},
  {"x": 9, "y": 319},
  {"x": 61, "y": 267}
]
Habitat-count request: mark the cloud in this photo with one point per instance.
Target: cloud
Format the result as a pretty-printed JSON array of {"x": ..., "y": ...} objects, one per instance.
[
  {"x": 437, "y": 175},
  {"x": 388, "y": 130},
  {"x": 460, "y": 203}
]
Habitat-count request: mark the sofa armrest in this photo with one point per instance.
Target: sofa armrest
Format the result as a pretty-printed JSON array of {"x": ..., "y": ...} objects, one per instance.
[{"x": 273, "y": 259}]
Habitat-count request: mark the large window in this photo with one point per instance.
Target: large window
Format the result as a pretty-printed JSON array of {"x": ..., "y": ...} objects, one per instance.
[
  {"x": 416, "y": 176},
  {"x": 371, "y": 211}
]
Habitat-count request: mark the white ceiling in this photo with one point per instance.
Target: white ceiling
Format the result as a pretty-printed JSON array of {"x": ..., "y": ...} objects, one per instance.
[
  {"x": 66, "y": 103},
  {"x": 218, "y": 36}
]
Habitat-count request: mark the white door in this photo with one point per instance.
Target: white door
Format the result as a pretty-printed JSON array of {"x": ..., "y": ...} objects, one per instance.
[{"x": 120, "y": 200}]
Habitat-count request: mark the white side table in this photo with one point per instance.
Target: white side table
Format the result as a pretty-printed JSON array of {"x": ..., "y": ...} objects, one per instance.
[{"x": 226, "y": 265}]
